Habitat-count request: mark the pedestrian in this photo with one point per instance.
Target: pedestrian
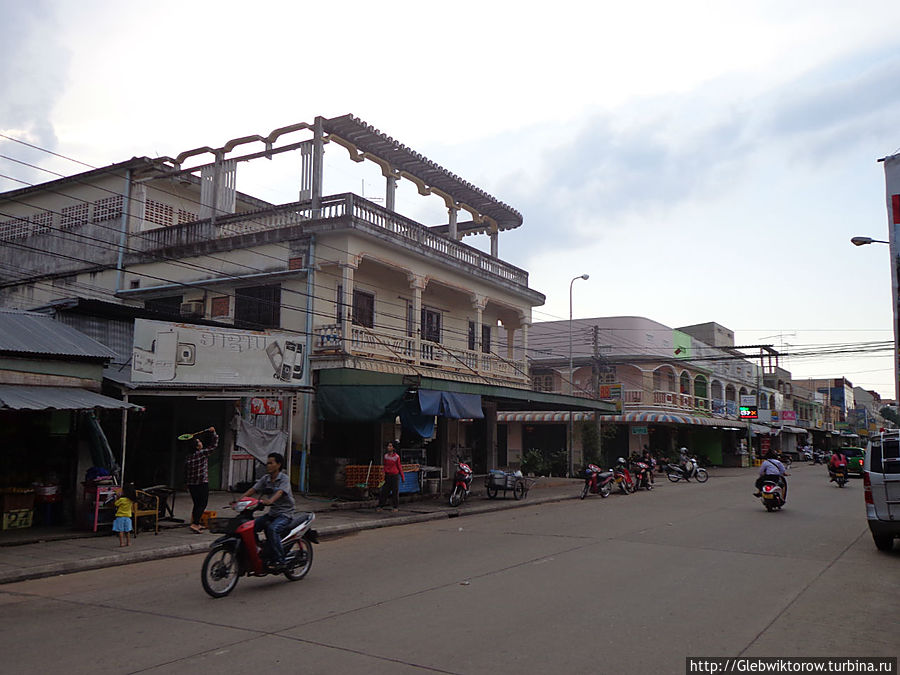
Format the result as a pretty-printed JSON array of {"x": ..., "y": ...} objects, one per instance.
[
  {"x": 196, "y": 469},
  {"x": 393, "y": 475},
  {"x": 124, "y": 510}
]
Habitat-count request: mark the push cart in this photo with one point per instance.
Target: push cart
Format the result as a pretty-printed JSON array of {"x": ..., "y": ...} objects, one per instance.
[{"x": 507, "y": 480}]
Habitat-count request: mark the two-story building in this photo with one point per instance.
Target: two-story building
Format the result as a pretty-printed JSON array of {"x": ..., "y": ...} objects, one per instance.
[{"x": 326, "y": 320}]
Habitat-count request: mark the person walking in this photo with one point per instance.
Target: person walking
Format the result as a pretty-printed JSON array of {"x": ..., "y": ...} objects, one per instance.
[
  {"x": 393, "y": 475},
  {"x": 196, "y": 470}
]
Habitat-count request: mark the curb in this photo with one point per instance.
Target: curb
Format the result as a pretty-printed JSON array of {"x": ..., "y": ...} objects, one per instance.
[{"x": 328, "y": 531}]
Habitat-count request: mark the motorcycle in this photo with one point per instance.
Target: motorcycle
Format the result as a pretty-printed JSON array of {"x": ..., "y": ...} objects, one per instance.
[
  {"x": 772, "y": 494},
  {"x": 676, "y": 472},
  {"x": 839, "y": 476},
  {"x": 818, "y": 457},
  {"x": 641, "y": 472},
  {"x": 239, "y": 551},
  {"x": 462, "y": 482},
  {"x": 622, "y": 477},
  {"x": 597, "y": 481}
]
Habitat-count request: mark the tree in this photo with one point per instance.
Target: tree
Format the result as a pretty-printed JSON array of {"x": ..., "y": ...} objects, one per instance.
[{"x": 890, "y": 414}]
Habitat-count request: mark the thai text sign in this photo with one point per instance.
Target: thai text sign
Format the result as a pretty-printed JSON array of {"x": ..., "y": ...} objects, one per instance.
[{"x": 165, "y": 352}]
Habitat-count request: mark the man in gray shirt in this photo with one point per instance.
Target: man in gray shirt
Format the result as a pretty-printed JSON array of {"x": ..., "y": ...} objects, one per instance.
[{"x": 275, "y": 488}]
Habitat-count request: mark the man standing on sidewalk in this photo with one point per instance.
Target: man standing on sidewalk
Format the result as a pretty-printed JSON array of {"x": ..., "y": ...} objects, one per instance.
[{"x": 393, "y": 474}]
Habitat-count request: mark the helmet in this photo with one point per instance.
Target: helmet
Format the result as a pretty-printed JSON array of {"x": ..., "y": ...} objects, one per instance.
[{"x": 621, "y": 460}]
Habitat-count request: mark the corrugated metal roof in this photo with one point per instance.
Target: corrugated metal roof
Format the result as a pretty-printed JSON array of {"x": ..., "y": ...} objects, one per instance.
[
  {"x": 31, "y": 333},
  {"x": 15, "y": 397}
]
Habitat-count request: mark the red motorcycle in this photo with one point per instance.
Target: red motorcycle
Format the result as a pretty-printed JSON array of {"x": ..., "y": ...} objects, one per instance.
[
  {"x": 462, "y": 482},
  {"x": 641, "y": 475},
  {"x": 597, "y": 481},
  {"x": 622, "y": 477},
  {"x": 240, "y": 553}
]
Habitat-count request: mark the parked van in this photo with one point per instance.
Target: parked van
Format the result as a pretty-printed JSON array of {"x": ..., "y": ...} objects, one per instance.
[{"x": 881, "y": 483}]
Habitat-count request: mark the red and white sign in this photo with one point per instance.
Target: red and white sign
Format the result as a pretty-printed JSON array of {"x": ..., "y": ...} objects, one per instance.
[
  {"x": 789, "y": 415},
  {"x": 265, "y": 406}
]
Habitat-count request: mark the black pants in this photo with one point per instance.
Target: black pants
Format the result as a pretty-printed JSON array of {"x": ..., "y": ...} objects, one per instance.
[
  {"x": 391, "y": 488},
  {"x": 200, "y": 495}
]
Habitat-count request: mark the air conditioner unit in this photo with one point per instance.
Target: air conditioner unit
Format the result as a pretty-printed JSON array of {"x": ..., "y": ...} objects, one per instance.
[{"x": 192, "y": 308}]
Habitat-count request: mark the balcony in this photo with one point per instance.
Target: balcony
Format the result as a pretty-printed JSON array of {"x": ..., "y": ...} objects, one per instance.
[
  {"x": 263, "y": 225},
  {"x": 401, "y": 348}
]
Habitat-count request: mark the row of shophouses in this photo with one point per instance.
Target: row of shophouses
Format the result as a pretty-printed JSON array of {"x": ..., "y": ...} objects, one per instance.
[{"x": 150, "y": 298}]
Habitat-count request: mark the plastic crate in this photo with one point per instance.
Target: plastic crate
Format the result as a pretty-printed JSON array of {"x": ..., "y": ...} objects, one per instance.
[{"x": 410, "y": 482}]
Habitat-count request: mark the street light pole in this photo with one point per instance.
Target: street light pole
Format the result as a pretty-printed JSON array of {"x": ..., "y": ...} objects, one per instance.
[
  {"x": 862, "y": 241},
  {"x": 571, "y": 439}
]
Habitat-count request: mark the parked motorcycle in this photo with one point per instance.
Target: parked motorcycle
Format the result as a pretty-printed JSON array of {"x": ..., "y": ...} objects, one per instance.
[
  {"x": 597, "y": 481},
  {"x": 641, "y": 471},
  {"x": 772, "y": 494},
  {"x": 677, "y": 472},
  {"x": 622, "y": 476},
  {"x": 462, "y": 483},
  {"x": 239, "y": 551}
]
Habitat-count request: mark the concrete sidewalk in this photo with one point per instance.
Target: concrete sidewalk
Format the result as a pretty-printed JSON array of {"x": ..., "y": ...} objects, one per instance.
[{"x": 32, "y": 554}]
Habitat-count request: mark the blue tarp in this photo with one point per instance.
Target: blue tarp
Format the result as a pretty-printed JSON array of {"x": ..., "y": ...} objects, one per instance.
[{"x": 452, "y": 405}]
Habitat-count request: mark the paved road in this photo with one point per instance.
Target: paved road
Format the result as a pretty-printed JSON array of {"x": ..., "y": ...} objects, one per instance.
[{"x": 626, "y": 584}]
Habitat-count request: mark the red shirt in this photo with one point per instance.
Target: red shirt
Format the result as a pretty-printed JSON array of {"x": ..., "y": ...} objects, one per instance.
[
  {"x": 392, "y": 465},
  {"x": 838, "y": 459}
]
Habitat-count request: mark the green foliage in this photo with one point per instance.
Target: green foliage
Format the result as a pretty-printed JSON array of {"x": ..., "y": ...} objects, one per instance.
[
  {"x": 890, "y": 414},
  {"x": 533, "y": 462},
  {"x": 590, "y": 443}
]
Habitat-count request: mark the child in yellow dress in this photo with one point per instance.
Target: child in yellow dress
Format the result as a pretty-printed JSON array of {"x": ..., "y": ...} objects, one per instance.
[{"x": 124, "y": 509}]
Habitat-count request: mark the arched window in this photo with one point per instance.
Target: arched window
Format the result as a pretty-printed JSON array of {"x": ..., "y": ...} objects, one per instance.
[{"x": 684, "y": 384}]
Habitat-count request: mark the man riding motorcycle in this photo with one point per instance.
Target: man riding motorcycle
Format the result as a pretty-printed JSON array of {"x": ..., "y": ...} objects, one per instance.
[
  {"x": 838, "y": 461},
  {"x": 771, "y": 469},
  {"x": 275, "y": 487}
]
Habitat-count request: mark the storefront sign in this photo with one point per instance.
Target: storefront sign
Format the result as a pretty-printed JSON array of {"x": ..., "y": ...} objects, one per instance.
[
  {"x": 788, "y": 415},
  {"x": 265, "y": 406},
  {"x": 180, "y": 353},
  {"x": 638, "y": 431}
]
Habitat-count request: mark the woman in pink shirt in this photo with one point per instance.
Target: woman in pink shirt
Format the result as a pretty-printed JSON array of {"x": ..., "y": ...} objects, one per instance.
[{"x": 393, "y": 474}]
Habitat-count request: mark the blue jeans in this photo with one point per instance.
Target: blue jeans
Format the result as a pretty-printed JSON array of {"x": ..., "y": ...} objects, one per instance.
[{"x": 274, "y": 527}]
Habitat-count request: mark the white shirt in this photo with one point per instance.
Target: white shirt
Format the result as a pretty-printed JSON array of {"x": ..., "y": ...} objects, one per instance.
[{"x": 771, "y": 467}]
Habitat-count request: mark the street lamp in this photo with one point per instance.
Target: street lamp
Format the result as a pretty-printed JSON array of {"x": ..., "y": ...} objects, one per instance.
[
  {"x": 862, "y": 241},
  {"x": 571, "y": 439}
]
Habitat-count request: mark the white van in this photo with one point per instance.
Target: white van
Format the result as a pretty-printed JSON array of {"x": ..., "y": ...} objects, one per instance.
[{"x": 881, "y": 483}]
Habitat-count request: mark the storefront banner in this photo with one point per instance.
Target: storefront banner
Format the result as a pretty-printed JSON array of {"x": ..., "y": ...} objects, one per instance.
[
  {"x": 892, "y": 183},
  {"x": 180, "y": 353},
  {"x": 789, "y": 415}
]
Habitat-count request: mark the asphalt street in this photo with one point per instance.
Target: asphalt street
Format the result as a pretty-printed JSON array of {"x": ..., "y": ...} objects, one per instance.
[{"x": 628, "y": 584}]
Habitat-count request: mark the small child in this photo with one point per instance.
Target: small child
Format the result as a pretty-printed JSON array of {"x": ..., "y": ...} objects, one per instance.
[{"x": 124, "y": 509}]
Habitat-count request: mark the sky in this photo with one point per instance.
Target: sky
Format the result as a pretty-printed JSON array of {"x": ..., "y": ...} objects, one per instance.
[{"x": 701, "y": 161}]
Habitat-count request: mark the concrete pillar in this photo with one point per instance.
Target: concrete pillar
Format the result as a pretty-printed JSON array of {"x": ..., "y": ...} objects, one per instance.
[
  {"x": 390, "y": 192},
  {"x": 318, "y": 164},
  {"x": 346, "y": 307},
  {"x": 490, "y": 433},
  {"x": 452, "y": 211},
  {"x": 417, "y": 285},
  {"x": 494, "y": 246}
]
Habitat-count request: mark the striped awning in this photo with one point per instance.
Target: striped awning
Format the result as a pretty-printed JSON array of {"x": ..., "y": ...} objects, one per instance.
[
  {"x": 544, "y": 416},
  {"x": 648, "y": 417}
]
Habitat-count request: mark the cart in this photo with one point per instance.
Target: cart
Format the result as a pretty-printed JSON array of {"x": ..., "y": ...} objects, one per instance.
[{"x": 507, "y": 480}]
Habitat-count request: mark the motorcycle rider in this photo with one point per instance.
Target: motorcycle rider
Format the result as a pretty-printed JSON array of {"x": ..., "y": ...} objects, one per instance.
[
  {"x": 771, "y": 468},
  {"x": 685, "y": 463},
  {"x": 649, "y": 461},
  {"x": 838, "y": 461},
  {"x": 275, "y": 487}
]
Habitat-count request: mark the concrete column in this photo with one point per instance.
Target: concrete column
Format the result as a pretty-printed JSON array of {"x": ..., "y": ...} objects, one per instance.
[
  {"x": 318, "y": 164},
  {"x": 523, "y": 364},
  {"x": 346, "y": 307},
  {"x": 478, "y": 304},
  {"x": 452, "y": 211},
  {"x": 417, "y": 285},
  {"x": 490, "y": 433},
  {"x": 390, "y": 192},
  {"x": 494, "y": 246}
]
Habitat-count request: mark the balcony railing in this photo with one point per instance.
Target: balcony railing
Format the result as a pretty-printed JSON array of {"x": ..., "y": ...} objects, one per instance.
[
  {"x": 363, "y": 213},
  {"x": 399, "y": 347}
]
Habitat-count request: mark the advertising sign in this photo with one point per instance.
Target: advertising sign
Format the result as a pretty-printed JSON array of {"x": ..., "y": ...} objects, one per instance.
[
  {"x": 892, "y": 183},
  {"x": 611, "y": 392},
  {"x": 788, "y": 415},
  {"x": 166, "y": 352},
  {"x": 748, "y": 412}
]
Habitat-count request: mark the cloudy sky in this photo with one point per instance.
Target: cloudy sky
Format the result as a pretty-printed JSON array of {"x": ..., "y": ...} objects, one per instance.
[{"x": 702, "y": 161}]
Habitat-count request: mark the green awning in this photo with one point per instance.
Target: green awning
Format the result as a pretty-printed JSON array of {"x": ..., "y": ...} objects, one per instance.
[{"x": 359, "y": 403}]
